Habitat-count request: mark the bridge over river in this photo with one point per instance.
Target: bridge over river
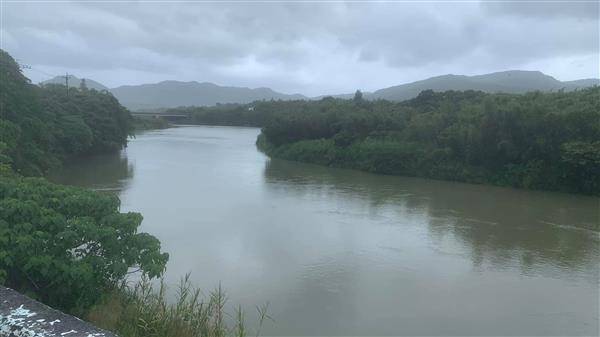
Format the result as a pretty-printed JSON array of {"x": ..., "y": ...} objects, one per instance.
[{"x": 171, "y": 117}]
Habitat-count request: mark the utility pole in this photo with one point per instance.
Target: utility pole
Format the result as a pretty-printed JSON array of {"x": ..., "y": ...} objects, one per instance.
[{"x": 67, "y": 83}]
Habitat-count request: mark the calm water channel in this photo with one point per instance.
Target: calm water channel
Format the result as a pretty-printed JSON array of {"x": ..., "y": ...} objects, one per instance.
[{"x": 341, "y": 252}]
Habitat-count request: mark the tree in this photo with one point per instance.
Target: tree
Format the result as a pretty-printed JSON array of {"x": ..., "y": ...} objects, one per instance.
[
  {"x": 66, "y": 246},
  {"x": 41, "y": 126},
  {"x": 583, "y": 164},
  {"x": 358, "y": 97}
]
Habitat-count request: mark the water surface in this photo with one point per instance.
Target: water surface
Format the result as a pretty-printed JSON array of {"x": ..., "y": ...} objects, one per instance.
[{"x": 341, "y": 252}]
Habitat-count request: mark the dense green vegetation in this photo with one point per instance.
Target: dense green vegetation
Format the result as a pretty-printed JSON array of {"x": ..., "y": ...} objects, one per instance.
[
  {"x": 66, "y": 246},
  {"x": 536, "y": 140},
  {"x": 41, "y": 126}
]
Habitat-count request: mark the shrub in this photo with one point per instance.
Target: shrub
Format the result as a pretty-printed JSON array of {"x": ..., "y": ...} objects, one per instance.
[{"x": 64, "y": 245}]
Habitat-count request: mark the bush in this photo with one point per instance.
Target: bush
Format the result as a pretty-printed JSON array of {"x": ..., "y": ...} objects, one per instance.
[{"x": 64, "y": 245}]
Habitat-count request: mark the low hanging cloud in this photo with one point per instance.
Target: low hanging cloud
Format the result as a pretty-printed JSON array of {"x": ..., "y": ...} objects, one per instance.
[{"x": 311, "y": 48}]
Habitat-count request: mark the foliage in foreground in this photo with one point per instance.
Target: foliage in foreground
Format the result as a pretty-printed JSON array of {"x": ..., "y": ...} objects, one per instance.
[
  {"x": 144, "y": 311},
  {"x": 65, "y": 246}
]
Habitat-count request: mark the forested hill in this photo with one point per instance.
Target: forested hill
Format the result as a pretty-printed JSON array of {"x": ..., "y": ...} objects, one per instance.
[
  {"x": 514, "y": 81},
  {"x": 40, "y": 126},
  {"x": 537, "y": 140}
]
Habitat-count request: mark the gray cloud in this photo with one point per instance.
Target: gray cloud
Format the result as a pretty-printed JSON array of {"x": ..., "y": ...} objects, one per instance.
[
  {"x": 542, "y": 9},
  {"x": 312, "y": 48}
]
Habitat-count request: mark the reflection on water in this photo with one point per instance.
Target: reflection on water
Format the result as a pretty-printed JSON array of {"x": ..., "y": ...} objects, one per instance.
[
  {"x": 341, "y": 252},
  {"x": 503, "y": 227},
  {"x": 109, "y": 172}
]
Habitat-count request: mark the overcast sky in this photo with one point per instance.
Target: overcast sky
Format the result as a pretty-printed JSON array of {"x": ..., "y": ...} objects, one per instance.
[{"x": 308, "y": 48}]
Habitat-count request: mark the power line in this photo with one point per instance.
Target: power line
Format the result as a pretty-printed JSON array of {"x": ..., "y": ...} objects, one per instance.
[
  {"x": 42, "y": 72},
  {"x": 66, "y": 76},
  {"x": 29, "y": 67}
]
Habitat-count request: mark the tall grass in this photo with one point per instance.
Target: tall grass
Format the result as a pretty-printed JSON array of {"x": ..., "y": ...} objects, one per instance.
[{"x": 142, "y": 310}]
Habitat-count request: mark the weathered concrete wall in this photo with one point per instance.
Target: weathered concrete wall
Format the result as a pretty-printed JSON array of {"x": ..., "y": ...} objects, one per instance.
[{"x": 20, "y": 316}]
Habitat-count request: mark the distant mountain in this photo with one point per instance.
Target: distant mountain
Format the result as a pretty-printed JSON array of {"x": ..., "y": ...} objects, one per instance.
[
  {"x": 514, "y": 81},
  {"x": 578, "y": 84},
  {"x": 76, "y": 82},
  {"x": 170, "y": 94}
]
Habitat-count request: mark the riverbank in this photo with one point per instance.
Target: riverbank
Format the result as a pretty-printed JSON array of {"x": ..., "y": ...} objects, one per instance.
[{"x": 539, "y": 141}]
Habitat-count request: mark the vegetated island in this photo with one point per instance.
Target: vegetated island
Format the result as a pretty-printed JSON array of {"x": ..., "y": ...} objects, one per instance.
[{"x": 536, "y": 140}]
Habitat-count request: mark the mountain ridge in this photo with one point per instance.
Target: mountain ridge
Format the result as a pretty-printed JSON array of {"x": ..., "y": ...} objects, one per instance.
[
  {"x": 511, "y": 81},
  {"x": 173, "y": 93}
]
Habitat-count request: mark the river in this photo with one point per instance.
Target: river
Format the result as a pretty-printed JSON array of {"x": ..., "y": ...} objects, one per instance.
[{"x": 342, "y": 252}]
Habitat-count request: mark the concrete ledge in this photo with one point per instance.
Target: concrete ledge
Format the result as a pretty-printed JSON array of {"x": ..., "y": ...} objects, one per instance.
[{"x": 20, "y": 316}]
